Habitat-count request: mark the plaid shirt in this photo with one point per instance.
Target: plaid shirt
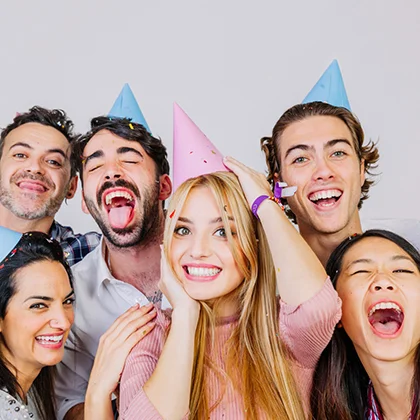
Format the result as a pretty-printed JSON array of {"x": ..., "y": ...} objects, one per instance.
[
  {"x": 373, "y": 411},
  {"x": 75, "y": 246}
]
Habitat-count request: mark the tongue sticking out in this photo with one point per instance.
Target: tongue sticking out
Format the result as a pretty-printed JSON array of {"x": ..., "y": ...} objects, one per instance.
[
  {"x": 120, "y": 213},
  {"x": 386, "y": 321}
]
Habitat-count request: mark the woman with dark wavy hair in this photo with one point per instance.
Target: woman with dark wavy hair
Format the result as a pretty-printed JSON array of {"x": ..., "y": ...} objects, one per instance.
[
  {"x": 36, "y": 313},
  {"x": 371, "y": 368}
]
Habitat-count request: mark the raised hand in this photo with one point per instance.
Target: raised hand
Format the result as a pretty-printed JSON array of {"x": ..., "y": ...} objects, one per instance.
[
  {"x": 172, "y": 288},
  {"x": 252, "y": 182},
  {"x": 114, "y": 347}
]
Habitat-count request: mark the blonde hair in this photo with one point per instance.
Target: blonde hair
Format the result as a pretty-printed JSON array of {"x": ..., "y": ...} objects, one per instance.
[{"x": 257, "y": 360}]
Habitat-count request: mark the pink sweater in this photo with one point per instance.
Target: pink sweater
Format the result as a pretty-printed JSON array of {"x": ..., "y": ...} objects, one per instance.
[{"x": 305, "y": 329}]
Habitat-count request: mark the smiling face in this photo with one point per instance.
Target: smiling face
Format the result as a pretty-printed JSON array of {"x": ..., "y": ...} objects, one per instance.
[
  {"x": 38, "y": 317},
  {"x": 379, "y": 285},
  {"x": 35, "y": 172},
  {"x": 317, "y": 155},
  {"x": 121, "y": 189},
  {"x": 200, "y": 252}
]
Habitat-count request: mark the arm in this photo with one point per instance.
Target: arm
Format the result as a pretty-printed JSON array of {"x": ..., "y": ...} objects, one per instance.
[
  {"x": 299, "y": 273},
  {"x": 162, "y": 389},
  {"x": 72, "y": 378},
  {"x": 114, "y": 346}
]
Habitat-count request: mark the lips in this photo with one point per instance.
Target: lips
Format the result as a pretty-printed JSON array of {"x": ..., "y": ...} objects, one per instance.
[
  {"x": 51, "y": 341},
  {"x": 32, "y": 186},
  {"x": 201, "y": 272},
  {"x": 326, "y": 198},
  {"x": 386, "y": 318}
]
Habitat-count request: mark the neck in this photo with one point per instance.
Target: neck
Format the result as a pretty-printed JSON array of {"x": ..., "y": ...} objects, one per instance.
[
  {"x": 392, "y": 385},
  {"x": 323, "y": 244},
  {"x": 25, "y": 380},
  {"x": 138, "y": 265},
  {"x": 18, "y": 224}
]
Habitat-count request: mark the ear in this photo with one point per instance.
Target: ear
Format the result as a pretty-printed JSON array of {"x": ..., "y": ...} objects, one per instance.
[
  {"x": 362, "y": 172},
  {"x": 84, "y": 206},
  {"x": 276, "y": 177},
  {"x": 72, "y": 187},
  {"x": 165, "y": 187}
]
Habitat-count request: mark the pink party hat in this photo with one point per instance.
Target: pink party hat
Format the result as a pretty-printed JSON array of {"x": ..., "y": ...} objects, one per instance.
[{"x": 194, "y": 154}]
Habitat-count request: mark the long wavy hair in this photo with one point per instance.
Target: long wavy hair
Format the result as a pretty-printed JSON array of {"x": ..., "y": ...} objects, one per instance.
[
  {"x": 340, "y": 386},
  {"x": 33, "y": 247},
  {"x": 257, "y": 361}
]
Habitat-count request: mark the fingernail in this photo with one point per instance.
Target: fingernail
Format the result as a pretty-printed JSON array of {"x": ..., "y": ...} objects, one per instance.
[
  {"x": 135, "y": 306},
  {"x": 149, "y": 305}
]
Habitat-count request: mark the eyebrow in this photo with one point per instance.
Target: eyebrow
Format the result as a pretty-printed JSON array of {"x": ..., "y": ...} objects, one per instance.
[
  {"x": 123, "y": 150},
  {"x": 47, "y": 298},
  {"x": 329, "y": 143},
  {"x": 368, "y": 260},
  {"x": 213, "y": 221},
  {"x": 94, "y": 155},
  {"x": 28, "y": 146}
]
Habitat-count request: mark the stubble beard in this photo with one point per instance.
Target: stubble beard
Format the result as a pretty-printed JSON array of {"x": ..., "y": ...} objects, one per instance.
[
  {"x": 47, "y": 208},
  {"x": 145, "y": 231}
]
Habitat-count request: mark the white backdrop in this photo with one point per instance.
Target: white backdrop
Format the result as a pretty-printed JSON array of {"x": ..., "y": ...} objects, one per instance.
[{"x": 235, "y": 66}]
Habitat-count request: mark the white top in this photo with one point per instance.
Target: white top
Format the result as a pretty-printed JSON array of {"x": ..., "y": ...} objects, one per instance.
[
  {"x": 13, "y": 408},
  {"x": 100, "y": 300}
]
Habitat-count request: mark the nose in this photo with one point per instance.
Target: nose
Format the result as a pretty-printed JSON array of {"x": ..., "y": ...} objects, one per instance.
[
  {"x": 62, "y": 319},
  {"x": 34, "y": 166},
  {"x": 323, "y": 170},
  {"x": 200, "y": 247},
  {"x": 382, "y": 282},
  {"x": 112, "y": 171}
]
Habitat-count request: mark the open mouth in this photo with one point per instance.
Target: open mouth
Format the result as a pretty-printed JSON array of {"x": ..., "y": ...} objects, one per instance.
[
  {"x": 119, "y": 204},
  {"x": 50, "y": 340},
  {"x": 386, "y": 318},
  {"x": 325, "y": 198},
  {"x": 201, "y": 273}
]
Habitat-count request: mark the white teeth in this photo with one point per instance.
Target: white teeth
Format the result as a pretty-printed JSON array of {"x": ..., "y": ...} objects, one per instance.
[
  {"x": 325, "y": 194},
  {"x": 384, "y": 305},
  {"x": 114, "y": 194},
  {"x": 203, "y": 272},
  {"x": 47, "y": 338}
]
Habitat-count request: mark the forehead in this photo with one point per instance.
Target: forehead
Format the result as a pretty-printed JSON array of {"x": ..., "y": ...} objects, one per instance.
[
  {"x": 38, "y": 136},
  {"x": 200, "y": 204},
  {"x": 374, "y": 249},
  {"x": 45, "y": 278},
  {"x": 314, "y": 131},
  {"x": 109, "y": 143}
]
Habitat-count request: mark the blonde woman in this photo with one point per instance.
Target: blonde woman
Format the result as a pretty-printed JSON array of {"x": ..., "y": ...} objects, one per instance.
[{"x": 232, "y": 349}]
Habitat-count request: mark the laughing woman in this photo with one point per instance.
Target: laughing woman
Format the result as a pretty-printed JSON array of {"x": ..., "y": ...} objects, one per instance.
[
  {"x": 36, "y": 313},
  {"x": 233, "y": 349},
  {"x": 371, "y": 368}
]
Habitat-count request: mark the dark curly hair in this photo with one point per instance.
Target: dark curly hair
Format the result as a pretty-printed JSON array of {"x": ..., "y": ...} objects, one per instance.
[
  {"x": 271, "y": 145},
  {"x": 55, "y": 118},
  {"x": 128, "y": 130}
]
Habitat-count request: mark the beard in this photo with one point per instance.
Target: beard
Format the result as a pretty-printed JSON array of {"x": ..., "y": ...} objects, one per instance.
[
  {"x": 26, "y": 205},
  {"x": 142, "y": 232}
]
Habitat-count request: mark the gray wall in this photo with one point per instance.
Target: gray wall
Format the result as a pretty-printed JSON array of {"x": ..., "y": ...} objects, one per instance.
[{"x": 234, "y": 66}]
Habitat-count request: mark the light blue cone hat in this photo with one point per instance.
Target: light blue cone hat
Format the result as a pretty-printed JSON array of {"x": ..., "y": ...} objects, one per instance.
[
  {"x": 126, "y": 106},
  {"x": 8, "y": 240},
  {"x": 329, "y": 88}
]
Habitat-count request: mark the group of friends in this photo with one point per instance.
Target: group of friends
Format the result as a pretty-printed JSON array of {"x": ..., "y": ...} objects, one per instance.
[{"x": 199, "y": 298}]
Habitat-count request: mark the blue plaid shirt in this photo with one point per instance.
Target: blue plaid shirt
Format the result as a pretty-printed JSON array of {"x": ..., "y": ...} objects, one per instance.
[{"x": 75, "y": 246}]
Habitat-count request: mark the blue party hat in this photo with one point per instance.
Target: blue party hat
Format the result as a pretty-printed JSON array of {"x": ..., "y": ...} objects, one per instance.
[
  {"x": 126, "y": 106},
  {"x": 329, "y": 88},
  {"x": 8, "y": 240}
]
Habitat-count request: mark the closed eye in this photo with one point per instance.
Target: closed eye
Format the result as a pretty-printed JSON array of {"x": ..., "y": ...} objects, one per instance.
[
  {"x": 360, "y": 272},
  {"x": 94, "y": 168},
  {"x": 403, "y": 270}
]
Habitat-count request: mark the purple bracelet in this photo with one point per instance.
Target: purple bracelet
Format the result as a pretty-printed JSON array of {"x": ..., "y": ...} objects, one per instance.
[{"x": 256, "y": 204}]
